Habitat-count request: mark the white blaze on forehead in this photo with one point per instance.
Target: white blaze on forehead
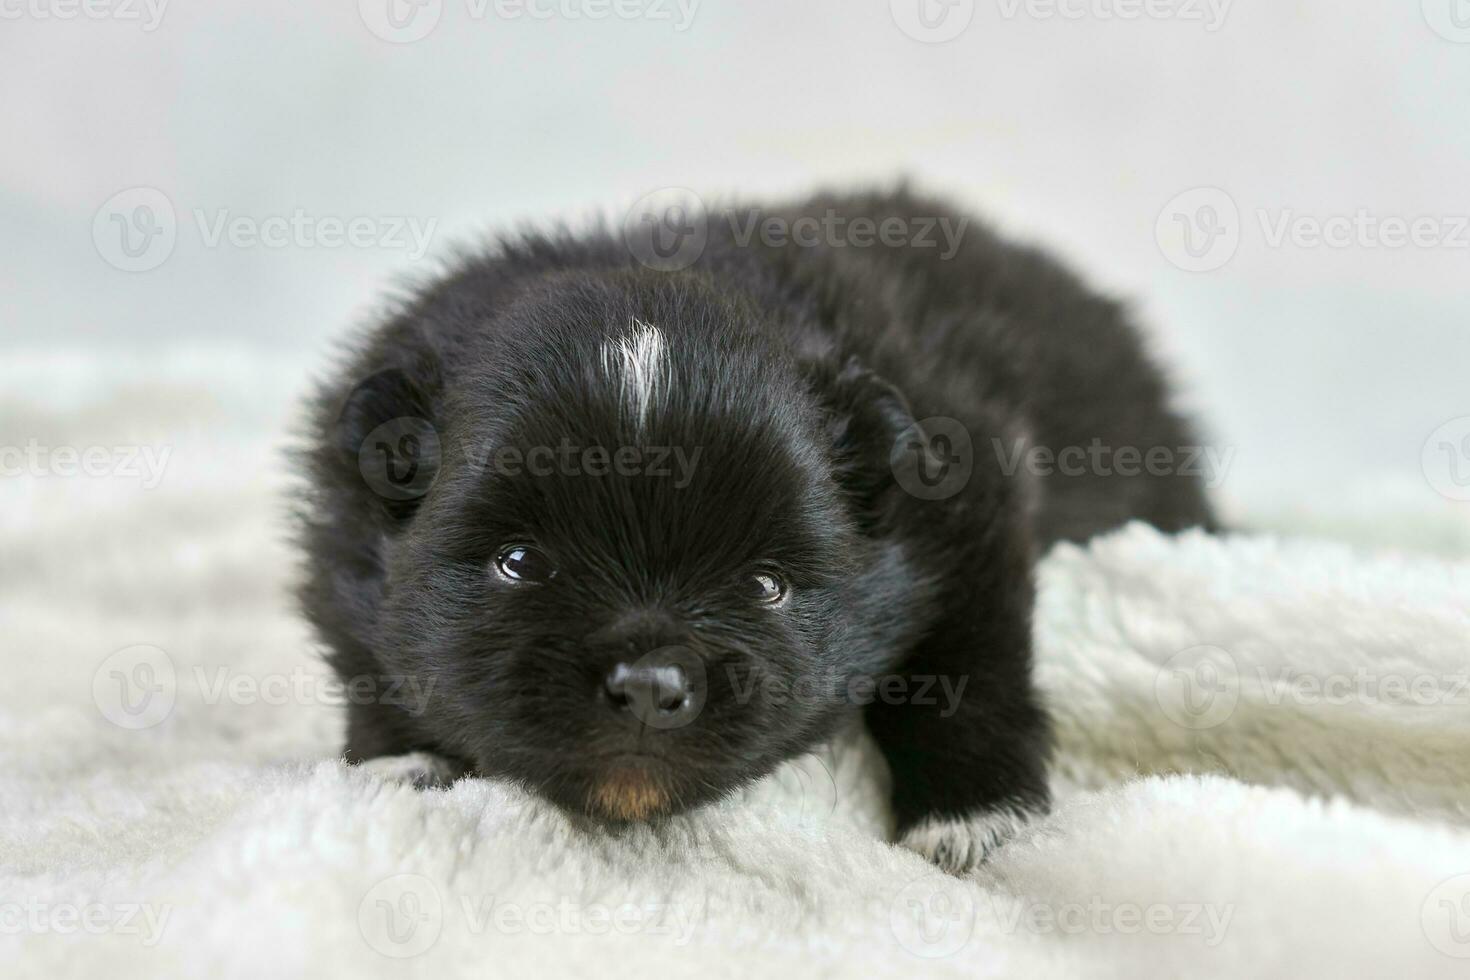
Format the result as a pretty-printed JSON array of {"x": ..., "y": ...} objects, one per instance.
[{"x": 639, "y": 361}]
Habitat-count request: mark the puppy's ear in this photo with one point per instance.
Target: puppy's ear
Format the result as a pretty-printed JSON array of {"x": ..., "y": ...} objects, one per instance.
[
  {"x": 870, "y": 418},
  {"x": 887, "y": 461},
  {"x": 386, "y": 432}
]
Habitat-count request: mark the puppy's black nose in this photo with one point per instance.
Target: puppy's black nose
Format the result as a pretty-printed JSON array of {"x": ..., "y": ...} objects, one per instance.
[{"x": 655, "y": 693}]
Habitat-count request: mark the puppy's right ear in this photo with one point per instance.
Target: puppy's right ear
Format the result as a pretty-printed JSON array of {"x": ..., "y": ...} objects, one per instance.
[{"x": 386, "y": 432}]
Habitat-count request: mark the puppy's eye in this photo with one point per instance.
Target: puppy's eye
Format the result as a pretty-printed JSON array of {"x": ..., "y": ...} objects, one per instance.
[
  {"x": 522, "y": 563},
  {"x": 768, "y": 587}
]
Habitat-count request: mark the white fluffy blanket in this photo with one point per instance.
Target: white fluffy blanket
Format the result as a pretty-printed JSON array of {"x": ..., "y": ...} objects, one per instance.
[{"x": 1264, "y": 763}]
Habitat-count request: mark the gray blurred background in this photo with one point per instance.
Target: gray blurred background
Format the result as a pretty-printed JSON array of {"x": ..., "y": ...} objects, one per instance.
[{"x": 1335, "y": 371}]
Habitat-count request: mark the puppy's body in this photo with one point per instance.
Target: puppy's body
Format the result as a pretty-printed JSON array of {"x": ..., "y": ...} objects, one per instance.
[{"x": 828, "y": 543}]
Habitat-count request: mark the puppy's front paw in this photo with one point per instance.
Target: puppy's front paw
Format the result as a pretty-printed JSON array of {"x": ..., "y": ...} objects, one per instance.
[
  {"x": 421, "y": 770},
  {"x": 959, "y": 844}
]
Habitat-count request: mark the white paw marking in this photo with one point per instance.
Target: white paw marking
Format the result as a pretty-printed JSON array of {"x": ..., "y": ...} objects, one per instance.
[
  {"x": 639, "y": 362},
  {"x": 422, "y": 770},
  {"x": 960, "y": 844}
]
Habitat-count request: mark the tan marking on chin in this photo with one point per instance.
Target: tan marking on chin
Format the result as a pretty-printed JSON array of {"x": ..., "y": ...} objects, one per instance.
[{"x": 628, "y": 794}]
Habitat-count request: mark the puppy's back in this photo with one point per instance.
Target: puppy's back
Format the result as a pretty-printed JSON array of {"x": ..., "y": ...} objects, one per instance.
[{"x": 1005, "y": 339}]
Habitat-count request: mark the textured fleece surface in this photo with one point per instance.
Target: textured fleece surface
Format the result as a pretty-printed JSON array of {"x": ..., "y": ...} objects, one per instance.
[{"x": 1263, "y": 765}]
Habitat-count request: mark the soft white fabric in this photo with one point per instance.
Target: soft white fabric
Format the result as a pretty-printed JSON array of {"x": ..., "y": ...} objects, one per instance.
[{"x": 1215, "y": 818}]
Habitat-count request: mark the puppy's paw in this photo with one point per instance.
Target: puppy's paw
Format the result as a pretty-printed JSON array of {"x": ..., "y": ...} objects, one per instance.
[
  {"x": 421, "y": 770},
  {"x": 959, "y": 845}
]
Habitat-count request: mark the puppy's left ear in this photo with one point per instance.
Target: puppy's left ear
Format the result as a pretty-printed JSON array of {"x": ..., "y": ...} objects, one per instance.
[{"x": 877, "y": 445}]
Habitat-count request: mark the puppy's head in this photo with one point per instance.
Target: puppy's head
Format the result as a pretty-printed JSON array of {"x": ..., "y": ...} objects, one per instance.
[{"x": 631, "y": 559}]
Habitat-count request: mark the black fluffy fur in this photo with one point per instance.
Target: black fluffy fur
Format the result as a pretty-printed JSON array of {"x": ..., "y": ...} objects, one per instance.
[{"x": 795, "y": 373}]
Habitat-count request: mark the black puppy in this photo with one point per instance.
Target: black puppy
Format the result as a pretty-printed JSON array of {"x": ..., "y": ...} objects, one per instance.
[{"x": 640, "y": 533}]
